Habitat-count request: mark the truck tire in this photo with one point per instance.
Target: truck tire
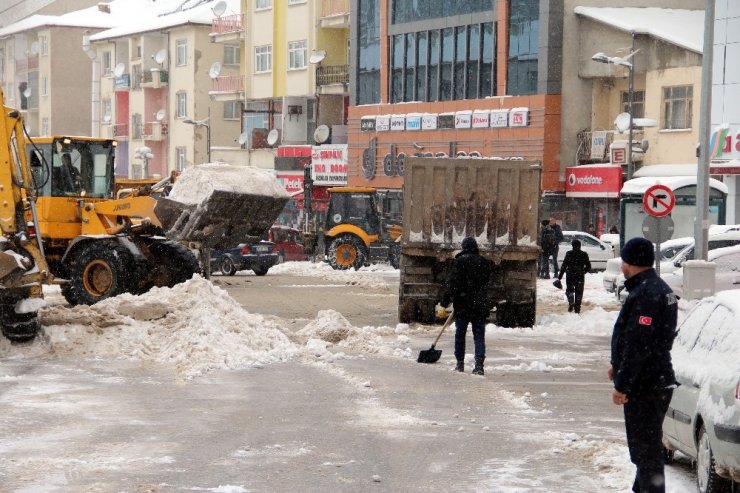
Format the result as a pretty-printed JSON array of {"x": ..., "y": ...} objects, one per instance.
[
  {"x": 406, "y": 311},
  {"x": 345, "y": 252},
  {"x": 260, "y": 271},
  {"x": 19, "y": 327},
  {"x": 510, "y": 315},
  {"x": 171, "y": 263},
  {"x": 99, "y": 270},
  {"x": 226, "y": 266}
]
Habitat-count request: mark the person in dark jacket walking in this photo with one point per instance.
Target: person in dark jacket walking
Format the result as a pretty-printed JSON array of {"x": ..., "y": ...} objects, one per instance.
[
  {"x": 575, "y": 266},
  {"x": 558, "y": 235},
  {"x": 641, "y": 367},
  {"x": 467, "y": 288},
  {"x": 547, "y": 243}
]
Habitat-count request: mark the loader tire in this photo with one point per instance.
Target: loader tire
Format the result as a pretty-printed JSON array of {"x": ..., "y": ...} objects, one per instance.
[
  {"x": 345, "y": 252},
  {"x": 99, "y": 270},
  {"x": 19, "y": 327},
  {"x": 171, "y": 264}
]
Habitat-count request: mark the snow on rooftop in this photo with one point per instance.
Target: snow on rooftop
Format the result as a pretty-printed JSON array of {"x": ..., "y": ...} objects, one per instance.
[
  {"x": 687, "y": 169},
  {"x": 640, "y": 185},
  {"x": 684, "y": 28}
]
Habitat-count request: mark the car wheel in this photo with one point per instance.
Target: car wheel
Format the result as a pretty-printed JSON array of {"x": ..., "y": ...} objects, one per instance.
[
  {"x": 706, "y": 476},
  {"x": 261, "y": 271},
  {"x": 668, "y": 455},
  {"x": 227, "y": 267}
]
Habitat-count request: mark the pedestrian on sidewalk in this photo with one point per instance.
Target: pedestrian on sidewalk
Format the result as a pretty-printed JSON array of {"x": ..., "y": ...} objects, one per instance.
[
  {"x": 641, "y": 367},
  {"x": 467, "y": 288},
  {"x": 547, "y": 244},
  {"x": 576, "y": 265},
  {"x": 558, "y": 231}
]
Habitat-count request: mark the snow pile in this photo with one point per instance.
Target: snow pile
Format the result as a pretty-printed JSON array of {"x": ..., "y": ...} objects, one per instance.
[
  {"x": 372, "y": 276},
  {"x": 331, "y": 327},
  {"x": 594, "y": 322},
  {"x": 195, "y": 326},
  {"x": 196, "y": 184}
]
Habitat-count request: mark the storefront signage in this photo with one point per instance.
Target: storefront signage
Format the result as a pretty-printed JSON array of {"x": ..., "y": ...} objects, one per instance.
[
  {"x": 413, "y": 121},
  {"x": 292, "y": 181},
  {"x": 383, "y": 123},
  {"x": 463, "y": 119},
  {"x": 593, "y": 181},
  {"x": 446, "y": 120},
  {"x": 598, "y": 144},
  {"x": 429, "y": 121},
  {"x": 398, "y": 122},
  {"x": 499, "y": 118},
  {"x": 518, "y": 117},
  {"x": 329, "y": 164},
  {"x": 367, "y": 124},
  {"x": 480, "y": 118}
]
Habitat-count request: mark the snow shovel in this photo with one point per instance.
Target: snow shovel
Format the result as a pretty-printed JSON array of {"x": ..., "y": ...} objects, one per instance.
[{"x": 432, "y": 355}]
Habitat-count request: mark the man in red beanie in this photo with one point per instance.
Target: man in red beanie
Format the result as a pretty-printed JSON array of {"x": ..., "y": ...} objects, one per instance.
[{"x": 641, "y": 365}]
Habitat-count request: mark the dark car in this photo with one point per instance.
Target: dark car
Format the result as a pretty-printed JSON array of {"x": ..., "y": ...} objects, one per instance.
[
  {"x": 258, "y": 257},
  {"x": 288, "y": 243}
]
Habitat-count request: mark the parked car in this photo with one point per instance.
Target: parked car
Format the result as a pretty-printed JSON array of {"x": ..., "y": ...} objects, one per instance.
[
  {"x": 703, "y": 419},
  {"x": 288, "y": 243},
  {"x": 726, "y": 275},
  {"x": 258, "y": 257},
  {"x": 598, "y": 251}
]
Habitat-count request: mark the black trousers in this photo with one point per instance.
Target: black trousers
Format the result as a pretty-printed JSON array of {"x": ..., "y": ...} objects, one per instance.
[
  {"x": 643, "y": 421},
  {"x": 574, "y": 292}
]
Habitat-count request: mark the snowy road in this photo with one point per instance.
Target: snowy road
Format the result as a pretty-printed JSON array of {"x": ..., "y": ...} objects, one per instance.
[{"x": 184, "y": 390}]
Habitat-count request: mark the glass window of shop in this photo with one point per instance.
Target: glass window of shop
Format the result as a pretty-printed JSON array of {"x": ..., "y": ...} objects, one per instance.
[
  {"x": 397, "y": 64},
  {"x": 421, "y": 66},
  {"x": 524, "y": 27},
  {"x": 418, "y": 10},
  {"x": 368, "y": 52}
]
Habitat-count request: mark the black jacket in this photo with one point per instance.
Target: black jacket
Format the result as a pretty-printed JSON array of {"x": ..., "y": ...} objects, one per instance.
[
  {"x": 643, "y": 336},
  {"x": 575, "y": 264},
  {"x": 467, "y": 286}
]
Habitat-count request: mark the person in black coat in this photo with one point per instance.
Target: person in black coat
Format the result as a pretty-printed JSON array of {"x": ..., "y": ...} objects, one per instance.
[
  {"x": 576, "y": 265},
  {"x": 547, "y": 244},
  {"x": 467, "y": 288},
  {"x": 641, "y": 366}
]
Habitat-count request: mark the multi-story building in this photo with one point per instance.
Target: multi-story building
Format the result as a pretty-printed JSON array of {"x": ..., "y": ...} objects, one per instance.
[{"x": 155, "y": 83}]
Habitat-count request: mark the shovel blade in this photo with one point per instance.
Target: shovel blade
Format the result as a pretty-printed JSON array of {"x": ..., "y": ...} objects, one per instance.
[{"x": 430, "y": 355}]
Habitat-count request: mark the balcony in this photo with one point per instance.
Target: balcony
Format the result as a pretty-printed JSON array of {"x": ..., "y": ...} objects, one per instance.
[
  {"x": 590, "y": 149},
  {"x": 227, "y": 87},
  {"x": 120, "y": 130},
  {"x": 122, "y": 83},
  {"x": 155, "y": 131},
  {"x": 332, "y": 79},
  {"x": 154, "y": 78},
  {"x": 334, "y": 14},
  {"x": 227, "y": 28}
]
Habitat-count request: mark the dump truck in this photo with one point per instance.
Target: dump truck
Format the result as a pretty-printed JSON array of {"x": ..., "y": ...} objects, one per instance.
[{"x": 496, "y": 201}]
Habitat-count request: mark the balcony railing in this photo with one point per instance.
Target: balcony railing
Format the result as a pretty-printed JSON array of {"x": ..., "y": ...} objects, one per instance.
[
  {"x": 122, "y": 82},
  {"x": 332, "y": 74},
  {"x": 120, "y": 130},
  {"x": 228, "y": 24},
  {"x": 587, "y": 153},
  {"x": 227, "y": 83},
  {"x": 330, "y": 8}
]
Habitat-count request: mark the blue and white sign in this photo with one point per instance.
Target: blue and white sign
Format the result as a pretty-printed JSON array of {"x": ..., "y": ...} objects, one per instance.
[{"x": 413, "y": 121}]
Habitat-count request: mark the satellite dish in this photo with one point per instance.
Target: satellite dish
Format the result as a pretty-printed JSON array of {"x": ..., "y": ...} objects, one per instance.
[
  {"x": 622, "y": 122},
  {"x": 27, "y": 92},
  {"x": 160, "y": 115},
  {"x": 321, "y": 134},
  {"x": 243, "y": 137},
  {"x": 107, "y": 117},
  {"x": 461, "y": 154},
  {"x": 273, "y": 136},
  {"x": 317, "y": 56},
  {"x": 160, "y": 56},
  {"x": 219, "y": 8},
  {"x": 214, "y": 70},
  {"x": 475, "y": 154},
  {"x": 118, "y": 70},
  {"x": 35, "y": 48},
  {"x": 440, "y": 154}
]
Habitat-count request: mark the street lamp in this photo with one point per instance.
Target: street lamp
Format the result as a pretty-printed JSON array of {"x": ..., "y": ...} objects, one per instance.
[
  {"x": 624, "y": 62},
  {"x": 203, "y": 123}
]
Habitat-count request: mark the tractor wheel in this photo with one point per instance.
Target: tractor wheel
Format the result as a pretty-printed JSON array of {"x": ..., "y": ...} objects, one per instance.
[
  {"x": 19, "y": 327},
  {"x": 345, "y": 252},
  {"x": 170, "y": 263},
  {"x": 99, "y": 270}
]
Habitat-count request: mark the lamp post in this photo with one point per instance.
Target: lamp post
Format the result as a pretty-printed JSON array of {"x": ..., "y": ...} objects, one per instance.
[
  {"x": 624, "y": 62},
  {"x": 203, "y": 123}
]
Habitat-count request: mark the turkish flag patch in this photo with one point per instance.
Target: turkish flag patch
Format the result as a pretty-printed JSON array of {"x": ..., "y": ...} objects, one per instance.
[{"x": 645, "y": 320}]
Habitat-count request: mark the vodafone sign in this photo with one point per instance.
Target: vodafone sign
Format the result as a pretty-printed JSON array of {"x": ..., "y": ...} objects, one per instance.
[{"x": 593, "y": 181}]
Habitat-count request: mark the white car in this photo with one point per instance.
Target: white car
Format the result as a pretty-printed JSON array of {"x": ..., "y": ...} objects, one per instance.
[
  {"x": 726, "y": 276},
  {"x": 598, "y": 251},
  {"x": 614, "y": 279},
  {"x": 703, "y": 418}
]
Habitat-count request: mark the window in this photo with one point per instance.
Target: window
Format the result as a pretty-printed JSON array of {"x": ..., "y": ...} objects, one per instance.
[
  {"x": 410, "y": 62},
  {"x": 263, "y": 58},
  {"x": 182, "y": 104},
  {"x": 107, "y": 63},
  {"x": 415, "y": 10},
  {"x": 524, "y": 28},
  {"x": 461, "y": 52},
  {"x": 445, "y": 77},
  {"x": 262, "y": 4},
  {"x": 421, "y": 66},
  {"x": 638, "y": 103},
  {"x": 232, "y": 110},
  {"x": 137, "y": 126},
  {"x": 181, "y": 52},
  {"x": 181, "y": 155},
  {"x": 44, "y": 42},
  {"x": 136, "y": 76},
  {"x": 677, "y": 107},
  {"x": 231, "y": 54},
  {"x": 297, "y": 54},
  {"x": 397, "y": 74},
  {"x": 368, "y": 52},
  {"x": 106, "y": 109},
  {"x": 44, "y": 86},
  {"x": 45, "y": 126}
]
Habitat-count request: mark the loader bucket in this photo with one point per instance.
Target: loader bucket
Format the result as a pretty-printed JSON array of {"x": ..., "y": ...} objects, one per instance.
[{"x": 220, "y": 206}]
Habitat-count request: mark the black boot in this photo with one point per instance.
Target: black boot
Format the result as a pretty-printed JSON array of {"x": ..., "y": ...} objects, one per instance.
[
  {"x": 478, "y": 370},
  {"x": 460, "y": 366}
]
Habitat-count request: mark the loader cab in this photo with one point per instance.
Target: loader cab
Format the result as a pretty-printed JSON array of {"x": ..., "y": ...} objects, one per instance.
[
  {"x": 93, "y": 161},
  {"x": 356, "y": 206}
]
